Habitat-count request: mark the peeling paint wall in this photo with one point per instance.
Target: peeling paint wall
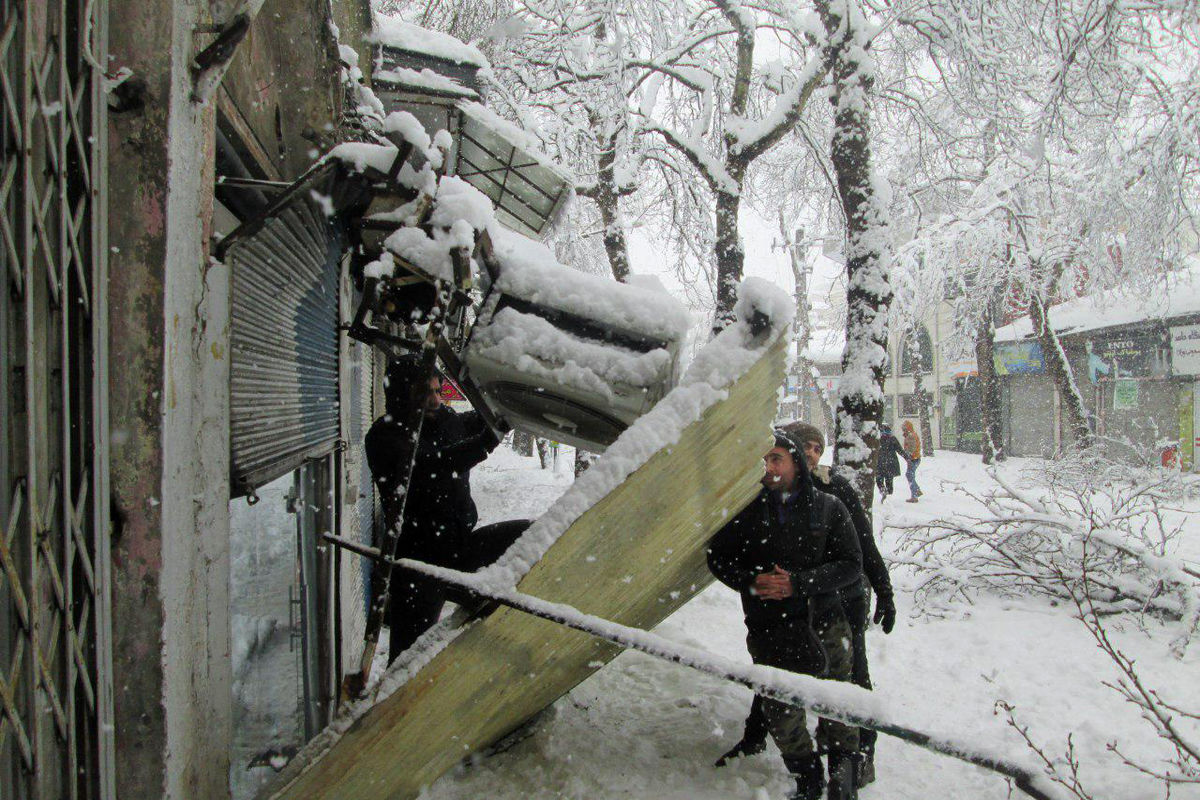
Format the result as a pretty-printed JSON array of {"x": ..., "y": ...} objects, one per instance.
[
  {"x": 137, "y": 239},
  {"x": 169, "y": 418},
  {"x": 283, "y": 84}
]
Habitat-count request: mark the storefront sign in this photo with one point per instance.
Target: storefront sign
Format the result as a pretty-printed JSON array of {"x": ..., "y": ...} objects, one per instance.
[
  {"x": 1125, "y": 396},
  {"x": 1018, "y": 358},
  {"x": 1185, "y": 350},
  {"x": 961, "y": 367},
  {"x": 1130, "y": 356}
]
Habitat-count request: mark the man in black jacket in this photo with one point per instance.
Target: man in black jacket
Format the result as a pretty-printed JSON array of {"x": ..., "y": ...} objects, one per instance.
[
  {"x": 439, "y": 515},
  {"x": 787, "y": 554},
  {"x": 856, "y": 598}
]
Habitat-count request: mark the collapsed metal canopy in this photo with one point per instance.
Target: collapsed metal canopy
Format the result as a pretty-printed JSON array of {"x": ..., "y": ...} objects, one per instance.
[
  {"x": 285, "y": 268},
  {"x": 527, "y": 189}
]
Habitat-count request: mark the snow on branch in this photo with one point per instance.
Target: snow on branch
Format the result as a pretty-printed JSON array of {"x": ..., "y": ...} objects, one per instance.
[
  {"x": 1099, "y": 529},
  {"x": 712, "y": 170},
  {"x": 752, "y": 139}
]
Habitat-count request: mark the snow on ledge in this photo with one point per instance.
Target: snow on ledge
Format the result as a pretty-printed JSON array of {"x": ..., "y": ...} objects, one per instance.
[
  {"x": 392, "y": 32},
  {"x": 722, "y": 361},
  {"x": 529, "y": 270}
]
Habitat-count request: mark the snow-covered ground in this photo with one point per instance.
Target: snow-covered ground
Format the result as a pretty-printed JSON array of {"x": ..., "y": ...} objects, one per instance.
[{"x": 643, "y": 728}]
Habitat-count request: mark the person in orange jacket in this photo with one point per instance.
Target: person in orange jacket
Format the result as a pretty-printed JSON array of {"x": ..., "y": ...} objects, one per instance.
[{"x": 912, "y": 451}]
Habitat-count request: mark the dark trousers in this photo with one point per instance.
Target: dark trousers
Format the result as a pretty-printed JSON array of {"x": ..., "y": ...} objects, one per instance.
[
  {"x": 415, "y": 602},
  {"x": 884, "y": 482},
  {"x": 857, "y": 613}
]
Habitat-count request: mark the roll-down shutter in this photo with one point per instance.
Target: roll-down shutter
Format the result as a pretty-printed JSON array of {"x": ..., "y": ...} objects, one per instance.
[{"x": 284, "y": 362}]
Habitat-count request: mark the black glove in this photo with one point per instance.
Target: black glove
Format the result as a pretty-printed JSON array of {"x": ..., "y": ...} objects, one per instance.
[{"x": 885, "y": 612}]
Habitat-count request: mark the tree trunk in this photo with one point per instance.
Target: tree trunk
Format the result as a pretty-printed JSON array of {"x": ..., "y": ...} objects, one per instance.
[
  {"x": 730, "y": 257},
  {"x": 1060, "y": 371},
  {"x": 805, "y": 371},
  {"x": 522, "y": 443},
  {"x": 989, "y": 388},
  {"x": 583, "y": 460},
  {"x": 608, "y": 201},
  {"x": 920, "y": 367},
  {"x": 869, "y": 291}
]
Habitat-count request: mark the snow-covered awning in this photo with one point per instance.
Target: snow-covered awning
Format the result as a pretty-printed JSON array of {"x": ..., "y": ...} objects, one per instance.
[{"x": 1176, "y": 296}]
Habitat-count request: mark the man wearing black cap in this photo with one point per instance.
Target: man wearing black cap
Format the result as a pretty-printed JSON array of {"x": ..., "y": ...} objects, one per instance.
[
  {"x": 856, "y": 601},
  {"x": 439, "y": 514},
  {"x": 787, "y": 554}
]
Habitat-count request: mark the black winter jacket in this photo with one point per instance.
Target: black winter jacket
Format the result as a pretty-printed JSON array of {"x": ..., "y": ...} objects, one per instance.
[
  {"x": 888, "y": 463},
  {"x": 874, "y": 569},
  {"x": 440, "y": 512},
  {"x": 816, "y": 544}
]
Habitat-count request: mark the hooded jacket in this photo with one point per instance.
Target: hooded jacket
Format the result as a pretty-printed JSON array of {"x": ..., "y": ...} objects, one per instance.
[
  {"x": 812, "y": 538},
  {"x": 439, "y": 512},
  {"x": 912, "y": 440},
  {"x": 887, "y": 464}
]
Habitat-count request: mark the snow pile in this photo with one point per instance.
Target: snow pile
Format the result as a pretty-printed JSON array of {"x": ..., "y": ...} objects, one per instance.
[
  {"x": 366, "y": 104},
  {"x": 529, "y": 270},
  {"x": 401, "y": 35},
  {"x": 536, "y": 347},
  {"x": 408, "y": 127},
  {"x": 361, "y": 156},
  {"x": 459, "y": 200},
  {"x": 426, "y": 80},
  {"x": 459, "y": 210},
  {"x": 722, "y": 361}
]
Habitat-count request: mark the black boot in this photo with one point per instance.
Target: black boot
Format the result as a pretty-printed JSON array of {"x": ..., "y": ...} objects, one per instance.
[
  {"x": 748, "y": 746},
  {"x": 865, "y": 768},
  {"x": 809, "y": 775},
  {"x": 842, "y": 775},
  {"x": 754, "y": 739}
]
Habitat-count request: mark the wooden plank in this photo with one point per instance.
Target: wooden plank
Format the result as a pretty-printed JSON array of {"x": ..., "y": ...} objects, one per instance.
[{"x": 634, "y": 557}]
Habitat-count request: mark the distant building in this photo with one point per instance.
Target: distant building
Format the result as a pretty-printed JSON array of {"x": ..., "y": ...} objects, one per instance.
[
  {"x": 1136, "y": 360},
  {"x": 943, "y": 364}
]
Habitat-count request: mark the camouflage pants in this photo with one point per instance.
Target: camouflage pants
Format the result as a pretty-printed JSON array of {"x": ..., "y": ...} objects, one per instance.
[{"x": 788, "y": 723}]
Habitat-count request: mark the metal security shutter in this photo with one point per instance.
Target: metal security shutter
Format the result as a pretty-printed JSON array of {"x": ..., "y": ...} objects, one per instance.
[
  {"x": 56, "y": 681},
  {"x": 284, "y": 362}
]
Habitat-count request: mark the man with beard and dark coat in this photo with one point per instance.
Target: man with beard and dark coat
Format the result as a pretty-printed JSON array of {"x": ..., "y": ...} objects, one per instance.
[
  {"x": 856, "y": 601},
  {"x": 439, "y": 515},
  {"x": 788, "y": 554}
]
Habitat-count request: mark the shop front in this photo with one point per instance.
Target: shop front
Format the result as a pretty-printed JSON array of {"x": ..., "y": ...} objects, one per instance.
[{"x": 1185, "y": 365}]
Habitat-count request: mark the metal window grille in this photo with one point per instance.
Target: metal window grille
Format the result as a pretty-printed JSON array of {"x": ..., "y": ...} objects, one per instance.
[{"x": 56, "y": 738}]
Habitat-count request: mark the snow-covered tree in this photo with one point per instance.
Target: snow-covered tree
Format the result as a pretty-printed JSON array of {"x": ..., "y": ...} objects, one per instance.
[
  {"x": 1056, "y": 155},
  {"x": 868, "y": 245}
]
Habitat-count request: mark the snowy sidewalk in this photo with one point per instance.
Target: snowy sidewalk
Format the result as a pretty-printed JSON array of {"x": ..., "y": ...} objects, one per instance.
[{"x": 643, "y": 728}]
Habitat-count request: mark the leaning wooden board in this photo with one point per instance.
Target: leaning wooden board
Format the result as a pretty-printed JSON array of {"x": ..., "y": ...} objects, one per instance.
[{"x": 634, "y": 557}]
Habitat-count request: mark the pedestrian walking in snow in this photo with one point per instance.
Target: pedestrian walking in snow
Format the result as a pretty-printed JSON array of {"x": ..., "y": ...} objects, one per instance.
[
  {"x": 912, "y": 454},
  {"x": 439, "y": 515},
  {"x": 788, "y": 554},
  {"x": 887, "y": 462},
  {"x": 856, "y": 602}
]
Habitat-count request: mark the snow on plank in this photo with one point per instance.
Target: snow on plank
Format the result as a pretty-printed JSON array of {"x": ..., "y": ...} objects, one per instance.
[{"x": 625, "y": 543}]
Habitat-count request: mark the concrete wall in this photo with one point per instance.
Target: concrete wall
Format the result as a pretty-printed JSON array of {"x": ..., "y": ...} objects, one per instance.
[
  {"x": 169, "y": 417},
  {"x": 169, "y": 344}
]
